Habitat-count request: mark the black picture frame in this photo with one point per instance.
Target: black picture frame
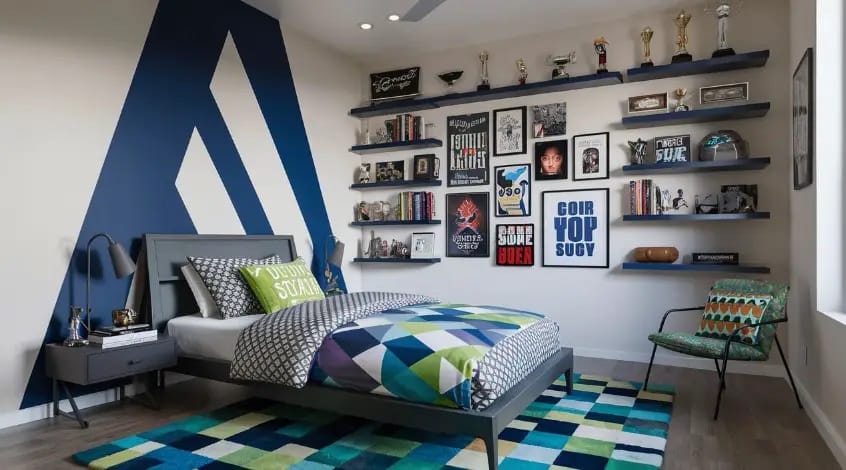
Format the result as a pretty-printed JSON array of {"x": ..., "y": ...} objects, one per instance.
[
  {"x": 607, "y": 229},
  {"x": 462, "y": 170},
  {"x": 604, "y": 159},
  {"x": 525, "y": 192},
  {"x": 480, "y": 200},
  {"x": 803, "y": 121},
  {"x": 521, "y": 127},
  {"x": 497, "y": 253},
  {"x": 563, "y": 146}
]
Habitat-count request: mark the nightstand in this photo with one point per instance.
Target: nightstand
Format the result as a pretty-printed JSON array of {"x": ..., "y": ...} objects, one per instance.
[{"x": 92, "y": 364}]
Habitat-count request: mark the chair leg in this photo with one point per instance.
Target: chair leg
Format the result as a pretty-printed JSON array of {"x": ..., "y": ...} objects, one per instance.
[
  {"x": 789, "y": 375},
  {"x": 717, "y": 363},
  {"x": 721, "y": 387},
  {"x": 649, "y": 369}
]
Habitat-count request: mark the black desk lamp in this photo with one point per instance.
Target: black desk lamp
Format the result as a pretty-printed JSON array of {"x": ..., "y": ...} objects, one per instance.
[{"x": 121, "y": 262}]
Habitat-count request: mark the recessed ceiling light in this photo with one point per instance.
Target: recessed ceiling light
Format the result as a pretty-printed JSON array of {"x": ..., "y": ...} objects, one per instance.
[
  {"x": 393, "y": 17},
  {"x": 365, "y": 26}
]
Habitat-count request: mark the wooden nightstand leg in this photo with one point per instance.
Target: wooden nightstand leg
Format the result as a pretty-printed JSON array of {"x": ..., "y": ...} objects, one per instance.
[{"x": 77, "y": 415}]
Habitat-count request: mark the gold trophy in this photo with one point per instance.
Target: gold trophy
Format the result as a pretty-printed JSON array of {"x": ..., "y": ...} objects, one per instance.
[
  {"x": 646, "y": 37},
  {"x": 681, "y": 55},
  {"x": 681, "y": 95}
]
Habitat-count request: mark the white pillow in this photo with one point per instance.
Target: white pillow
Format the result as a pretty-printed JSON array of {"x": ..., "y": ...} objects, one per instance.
[{"x": 201, "y": 293}]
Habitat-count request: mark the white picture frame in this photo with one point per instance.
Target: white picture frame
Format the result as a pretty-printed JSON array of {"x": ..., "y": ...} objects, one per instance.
[{"x": 422, "y": 245}]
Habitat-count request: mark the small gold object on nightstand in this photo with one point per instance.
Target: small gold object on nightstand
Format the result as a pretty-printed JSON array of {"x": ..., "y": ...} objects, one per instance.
[{"x": 124, "y": 317}]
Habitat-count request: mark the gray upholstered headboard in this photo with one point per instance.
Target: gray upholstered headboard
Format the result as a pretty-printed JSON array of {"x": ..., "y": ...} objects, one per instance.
[{"x": 166, "y": 254}]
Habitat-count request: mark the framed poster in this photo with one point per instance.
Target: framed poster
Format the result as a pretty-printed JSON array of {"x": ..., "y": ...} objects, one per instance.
[
  {"x": 803, "y": 121},
  {"x": 575, "y": 232},
  {"x": 402, "y": 83},
  {"x": 515, "y": 245},
  {"x": 648, "y": 103},
  {"x": 422, "y": 245},
  {"x": 467, "y": 229},
  {"x": 509, "y": 131},
  {"x": 590, "y": 157},
  {"x": 673, "y": 149},
  {"x": 721, "y": 93},
  {"x": 467, "y": 137},
  {"x": 513, "y": 190},
  {"x": 551, "y": 160},
  {"x": 549, "y": 120}
]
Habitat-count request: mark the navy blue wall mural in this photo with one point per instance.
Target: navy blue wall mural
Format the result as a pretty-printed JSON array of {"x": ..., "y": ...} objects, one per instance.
[{"x": 169, "y": 96}]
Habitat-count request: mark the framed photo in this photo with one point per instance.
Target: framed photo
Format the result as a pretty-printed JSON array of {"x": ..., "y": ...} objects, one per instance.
[
  {"x": 575, "y": 232},
  {"x": 590, "y": 157},
  {"x": 672, "y": 149},
  {"x": 390, "y": 171},
  {"x": 549, "y": 120},
  {"x": 720, "y": 93},
  {"x": 422, "y": 245},
  {"x": 738, "y": 199},
  {"x": 402, "y": 83},
  {"x": 467, "y": 151},
  {"x": 551, "y": 160},
  {"x": 467, "y": 228},
  {"x": 803, "y": 121},
  {"x": 426, "y": 167},
  {"x": 509, "y": 131},
  {"x": 648, "y": 103},
  {"x": 513, "y": 190},
  {"x": 515, "y": 245}
]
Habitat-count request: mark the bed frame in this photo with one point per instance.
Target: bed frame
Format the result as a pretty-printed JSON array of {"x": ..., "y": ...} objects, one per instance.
[{"x": 169, "y": 297}]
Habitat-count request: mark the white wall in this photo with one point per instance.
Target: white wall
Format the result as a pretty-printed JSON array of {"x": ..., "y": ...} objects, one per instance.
[
  {"x": 609, "y": 312},
  {"x": 70, "y": 65}
]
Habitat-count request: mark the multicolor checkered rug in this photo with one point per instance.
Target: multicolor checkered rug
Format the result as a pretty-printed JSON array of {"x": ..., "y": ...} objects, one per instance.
[{"x": 604, "y": 424}]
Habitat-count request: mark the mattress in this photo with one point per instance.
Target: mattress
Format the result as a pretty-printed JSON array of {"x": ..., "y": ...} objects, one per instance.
[{"x": 208, "y": 338}]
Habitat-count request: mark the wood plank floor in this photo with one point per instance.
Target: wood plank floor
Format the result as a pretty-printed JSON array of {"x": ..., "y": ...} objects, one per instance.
[{"x": 760, "y": 426}]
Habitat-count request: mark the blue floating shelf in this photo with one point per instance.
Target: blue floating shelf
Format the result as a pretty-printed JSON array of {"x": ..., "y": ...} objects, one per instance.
[
  {"x": 734, "y": 268},
  {"x": 370, "y": 223},
  {"x": 724, "y": 113},
  {"x": 396, "y": 146},
  {"x": 393, "y": 184},
  {"x": 511, "y": 91},
  {"x": 697, "y": 217},
  {"x": 719, "y": 64},
  {"x": 398, "y": 260},
  {"x": 700, "y": 167}
]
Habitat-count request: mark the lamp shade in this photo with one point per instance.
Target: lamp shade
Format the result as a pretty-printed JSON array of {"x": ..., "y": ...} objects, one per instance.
[
  {"x": 337, "y": 256},
  {"x": 121, "y": 262}
]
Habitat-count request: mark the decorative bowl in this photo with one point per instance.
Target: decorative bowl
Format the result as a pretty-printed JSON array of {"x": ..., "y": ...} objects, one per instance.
[{"x": 656, "y": 254}]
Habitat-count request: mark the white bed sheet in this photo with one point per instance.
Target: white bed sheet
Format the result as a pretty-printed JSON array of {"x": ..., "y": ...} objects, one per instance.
[{"x": 208, "y": 338}]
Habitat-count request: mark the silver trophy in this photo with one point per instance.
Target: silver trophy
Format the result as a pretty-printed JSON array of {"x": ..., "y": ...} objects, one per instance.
[
  {"x": 560, "y": 62},
  {"x": 75, "y": 326},
  {"x": 723, "y": 9},
  {"x": 484, "y": 83}
]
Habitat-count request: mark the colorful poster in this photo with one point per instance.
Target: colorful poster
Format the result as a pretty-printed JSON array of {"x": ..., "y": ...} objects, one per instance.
[
  {"x": 513, "y": 191},
  {"x": 575, "y": 228},
  {"x": 467, "y": 225},
  {"x": 468, "y": 154},
  {"x": 515, "y": 245}
]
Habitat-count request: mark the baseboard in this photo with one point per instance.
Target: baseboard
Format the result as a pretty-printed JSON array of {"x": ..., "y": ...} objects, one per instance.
[
  {"x": 827, "y": 430},
  {"x": 679, "y": 360}
]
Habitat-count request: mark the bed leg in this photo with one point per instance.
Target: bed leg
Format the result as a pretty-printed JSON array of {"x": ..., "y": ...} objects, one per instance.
[
  {"x": 491, "y": 443},
  {"x": 568, "y": 375}
]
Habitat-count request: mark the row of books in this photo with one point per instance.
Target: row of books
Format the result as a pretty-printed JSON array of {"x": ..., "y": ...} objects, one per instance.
[
  {"x": 406, "y": 127},
  {"x": 115, "y": 337},
  {"x": 416, "y": 205},
  {"x": 645, "y": 198}
]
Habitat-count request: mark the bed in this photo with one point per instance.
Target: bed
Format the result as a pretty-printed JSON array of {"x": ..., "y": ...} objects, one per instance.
[{"x": 207, "y": 347}]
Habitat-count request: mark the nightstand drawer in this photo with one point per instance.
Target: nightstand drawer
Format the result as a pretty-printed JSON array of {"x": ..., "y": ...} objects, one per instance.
[{"x": 130, "y": 360}]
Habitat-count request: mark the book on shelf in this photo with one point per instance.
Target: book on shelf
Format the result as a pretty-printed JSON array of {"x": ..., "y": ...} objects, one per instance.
[
  {"x": 415, "y": 206},
  {"x": 406, "y": 127},
  {"x": 646, "y": 198},
  {"x": 114, "y": 341}
]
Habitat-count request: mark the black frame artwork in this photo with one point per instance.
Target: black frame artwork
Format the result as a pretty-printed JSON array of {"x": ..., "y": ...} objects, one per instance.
[
  {"x": 541, "y": 147},
  {"x": 803, "y": 121},
  {"x": 468, "y": 137},
  {"x": 501, "y": 257},
  {"x": 480, "y": 200},
  {"x": 521, "y": 127},
  {"x": 525, "y": 193},
  {"x": 545, "y": 223},
  {"x": 603, "y": 156}
]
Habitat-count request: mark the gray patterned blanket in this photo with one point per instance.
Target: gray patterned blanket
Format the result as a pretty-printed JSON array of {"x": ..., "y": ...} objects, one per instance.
[{"x": 280, "y": 348}]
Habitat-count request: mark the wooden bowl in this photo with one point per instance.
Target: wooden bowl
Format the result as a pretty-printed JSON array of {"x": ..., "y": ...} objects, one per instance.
[{"x": 656, "y": 254}]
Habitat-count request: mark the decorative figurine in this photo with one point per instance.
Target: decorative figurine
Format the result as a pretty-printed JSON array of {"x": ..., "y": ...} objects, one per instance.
[
  {"x": 485, "y": 84},
  {"x": 374, "y": 248},
  {"x": 638, "y": 151},
  {"x": 679, "y": 202},
  {"x": 75, "y": 326},
  {"x": 723, "y": 11},
  {"x": 601, "y": 47},
  {"x": 363, "y": 213},
  {"x": 681, "y": 95},
  {"x": 382, "y": 136},
  {"x": 364, "y": 173},
  {"x": 521, "y": 70},
  {"x": 681, "y": 55},
  {"x": 560, "y": 62},
  {"x": 646, "y": 37},
  {"x": 450, "y": 78}
]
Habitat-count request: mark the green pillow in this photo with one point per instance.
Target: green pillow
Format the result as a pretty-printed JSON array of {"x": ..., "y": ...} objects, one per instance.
[{"x": 279, "y": 286}]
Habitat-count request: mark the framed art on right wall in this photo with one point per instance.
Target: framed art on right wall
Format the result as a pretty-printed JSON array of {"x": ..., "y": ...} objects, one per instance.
[
  {"x": 575, "y": 228},
  {"x": 803, "y": 121}
]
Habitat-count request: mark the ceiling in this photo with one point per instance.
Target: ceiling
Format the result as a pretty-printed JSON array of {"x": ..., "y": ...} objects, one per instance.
[{"x": 456, "y": 23}]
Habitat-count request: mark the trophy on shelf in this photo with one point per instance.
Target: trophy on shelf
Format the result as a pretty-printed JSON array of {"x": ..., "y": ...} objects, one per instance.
[
  {"x": 646, "y": 37},
  {"x": 522, "y": 73},
  {"x": 560, "y": 62},
  {"x": 723, "y": 10},
  {"x": 484, "y": 83},
  {"x": 600, "y": 46},
  {"x": 681, "y": 55},
  {"x": 450, "y": 78},
  {"x": 681, "y": 95}
]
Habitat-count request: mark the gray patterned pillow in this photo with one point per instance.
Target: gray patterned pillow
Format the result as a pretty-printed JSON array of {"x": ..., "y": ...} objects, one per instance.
[{"x": 227, "y": 287}]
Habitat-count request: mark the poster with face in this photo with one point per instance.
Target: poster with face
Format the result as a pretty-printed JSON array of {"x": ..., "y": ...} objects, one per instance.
[
  {"x": 590, "y": 157},
  {"x": 551, "y": 160},
  {"x": 509, "y": 131},
  {"x": 467, "y": 225},
  {"x": 513, "y": 191},
  {"x": 515, "y": 245},
  {"x": 468, "y": 155},
  {"x": 575, "y": 228}
]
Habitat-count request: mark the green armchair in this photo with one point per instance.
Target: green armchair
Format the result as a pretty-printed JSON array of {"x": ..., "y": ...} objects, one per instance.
[{"x": 732, "y": 348}]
